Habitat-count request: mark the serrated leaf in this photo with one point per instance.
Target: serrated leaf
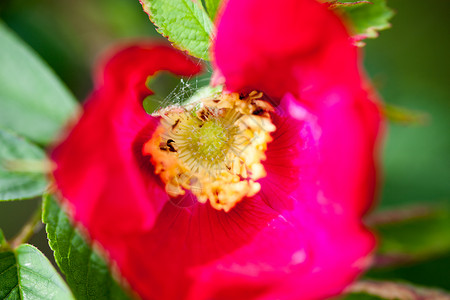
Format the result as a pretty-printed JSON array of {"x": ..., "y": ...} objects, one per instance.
[
  {"x": 212, "y": 6},
  {"x": 366, "y": 18},
  {"x": 17, "y": 178},
  {"x": 33, "y": 102},
  {"x": 86, "y": 272},
  {"x": 26, "y": 273},
  {"x": 184, "y": 23}
]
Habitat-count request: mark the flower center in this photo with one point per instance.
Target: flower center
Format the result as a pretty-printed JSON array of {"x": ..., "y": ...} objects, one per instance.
[
  {"x": 210, "y": 140},
  {"x": 213, "y": 148}
]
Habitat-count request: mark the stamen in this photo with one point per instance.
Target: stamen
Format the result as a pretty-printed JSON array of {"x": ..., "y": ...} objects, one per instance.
[{"x": 213, "y": 147}]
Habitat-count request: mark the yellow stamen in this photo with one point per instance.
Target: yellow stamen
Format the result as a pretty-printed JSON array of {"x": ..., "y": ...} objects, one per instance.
[{"x": 213, "y": 147}]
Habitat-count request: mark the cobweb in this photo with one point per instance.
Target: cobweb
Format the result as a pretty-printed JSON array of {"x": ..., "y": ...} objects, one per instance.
[{"x": 171, "y": 90}]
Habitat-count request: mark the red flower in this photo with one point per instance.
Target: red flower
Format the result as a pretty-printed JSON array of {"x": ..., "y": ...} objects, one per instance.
[{"x": 296, "y": 232}]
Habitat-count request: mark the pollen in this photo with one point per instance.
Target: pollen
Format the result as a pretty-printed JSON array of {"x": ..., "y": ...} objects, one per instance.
[{"x": 213, "y": 148}]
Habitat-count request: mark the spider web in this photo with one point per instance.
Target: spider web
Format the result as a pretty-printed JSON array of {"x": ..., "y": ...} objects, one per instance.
[{"x": 171, "y": 90}]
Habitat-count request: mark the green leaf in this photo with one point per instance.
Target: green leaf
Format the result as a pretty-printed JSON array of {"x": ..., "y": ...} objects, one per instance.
[
  {"x": 184, "y": 23},
  {"x": 172, "y": 90},
  {"x": 27, "y": 274},
  {"x": 366, "y": 17},
  {"x": 18, "y": 158},
  {"x": 432, "y": 272},
  {"x": 3, "y": 243},
  {"x": 411, "y": 71},
  {"x": 33, "y": 102},
  {"x": 417, "y": 238},
  {"x": 360, "y": 296},
  {"x": 86, "y": 272},
  {"x": 205, "y": 92},
  {"x": 164, "y": 86},
  {"x": 212, "y": 6}
]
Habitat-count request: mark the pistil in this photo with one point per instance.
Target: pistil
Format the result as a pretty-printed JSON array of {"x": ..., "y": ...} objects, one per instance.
[{"x": 214, "y": 148}]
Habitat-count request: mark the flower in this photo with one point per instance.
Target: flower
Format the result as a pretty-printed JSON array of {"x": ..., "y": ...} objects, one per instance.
[{"x": 284, "y": 222}]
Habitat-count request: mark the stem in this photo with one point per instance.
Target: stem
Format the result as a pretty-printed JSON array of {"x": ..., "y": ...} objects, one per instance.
[
  {"x": 396, "y": 291},
  {"x": 33, "y": 226},
  {"x": 389, "y": 260},
  {"x": 404, "y": 116},
  {"x": 398, "y": 215}
]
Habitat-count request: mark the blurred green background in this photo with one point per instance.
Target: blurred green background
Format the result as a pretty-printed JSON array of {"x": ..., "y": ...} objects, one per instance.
[{"x": 408, "y": 63}]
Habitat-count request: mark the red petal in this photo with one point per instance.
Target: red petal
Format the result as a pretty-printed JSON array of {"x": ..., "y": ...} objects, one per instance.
[
  {"x": 162, "y": 263},
  {"x": 285, "y": 243},
  {"x": 316, "y": 245},
  {"x": 296, "y": 46},
  {"x": 99, "y": 165},
  {"x": 307, "y": 253},
  {"x": 349, "y": 150},
  {"x": 331, "y": 147},
  {"x": 300, "y": 230}
]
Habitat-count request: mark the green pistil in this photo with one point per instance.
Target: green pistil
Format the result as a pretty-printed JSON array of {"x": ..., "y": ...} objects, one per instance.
[{"x": 210, "y": 141}]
